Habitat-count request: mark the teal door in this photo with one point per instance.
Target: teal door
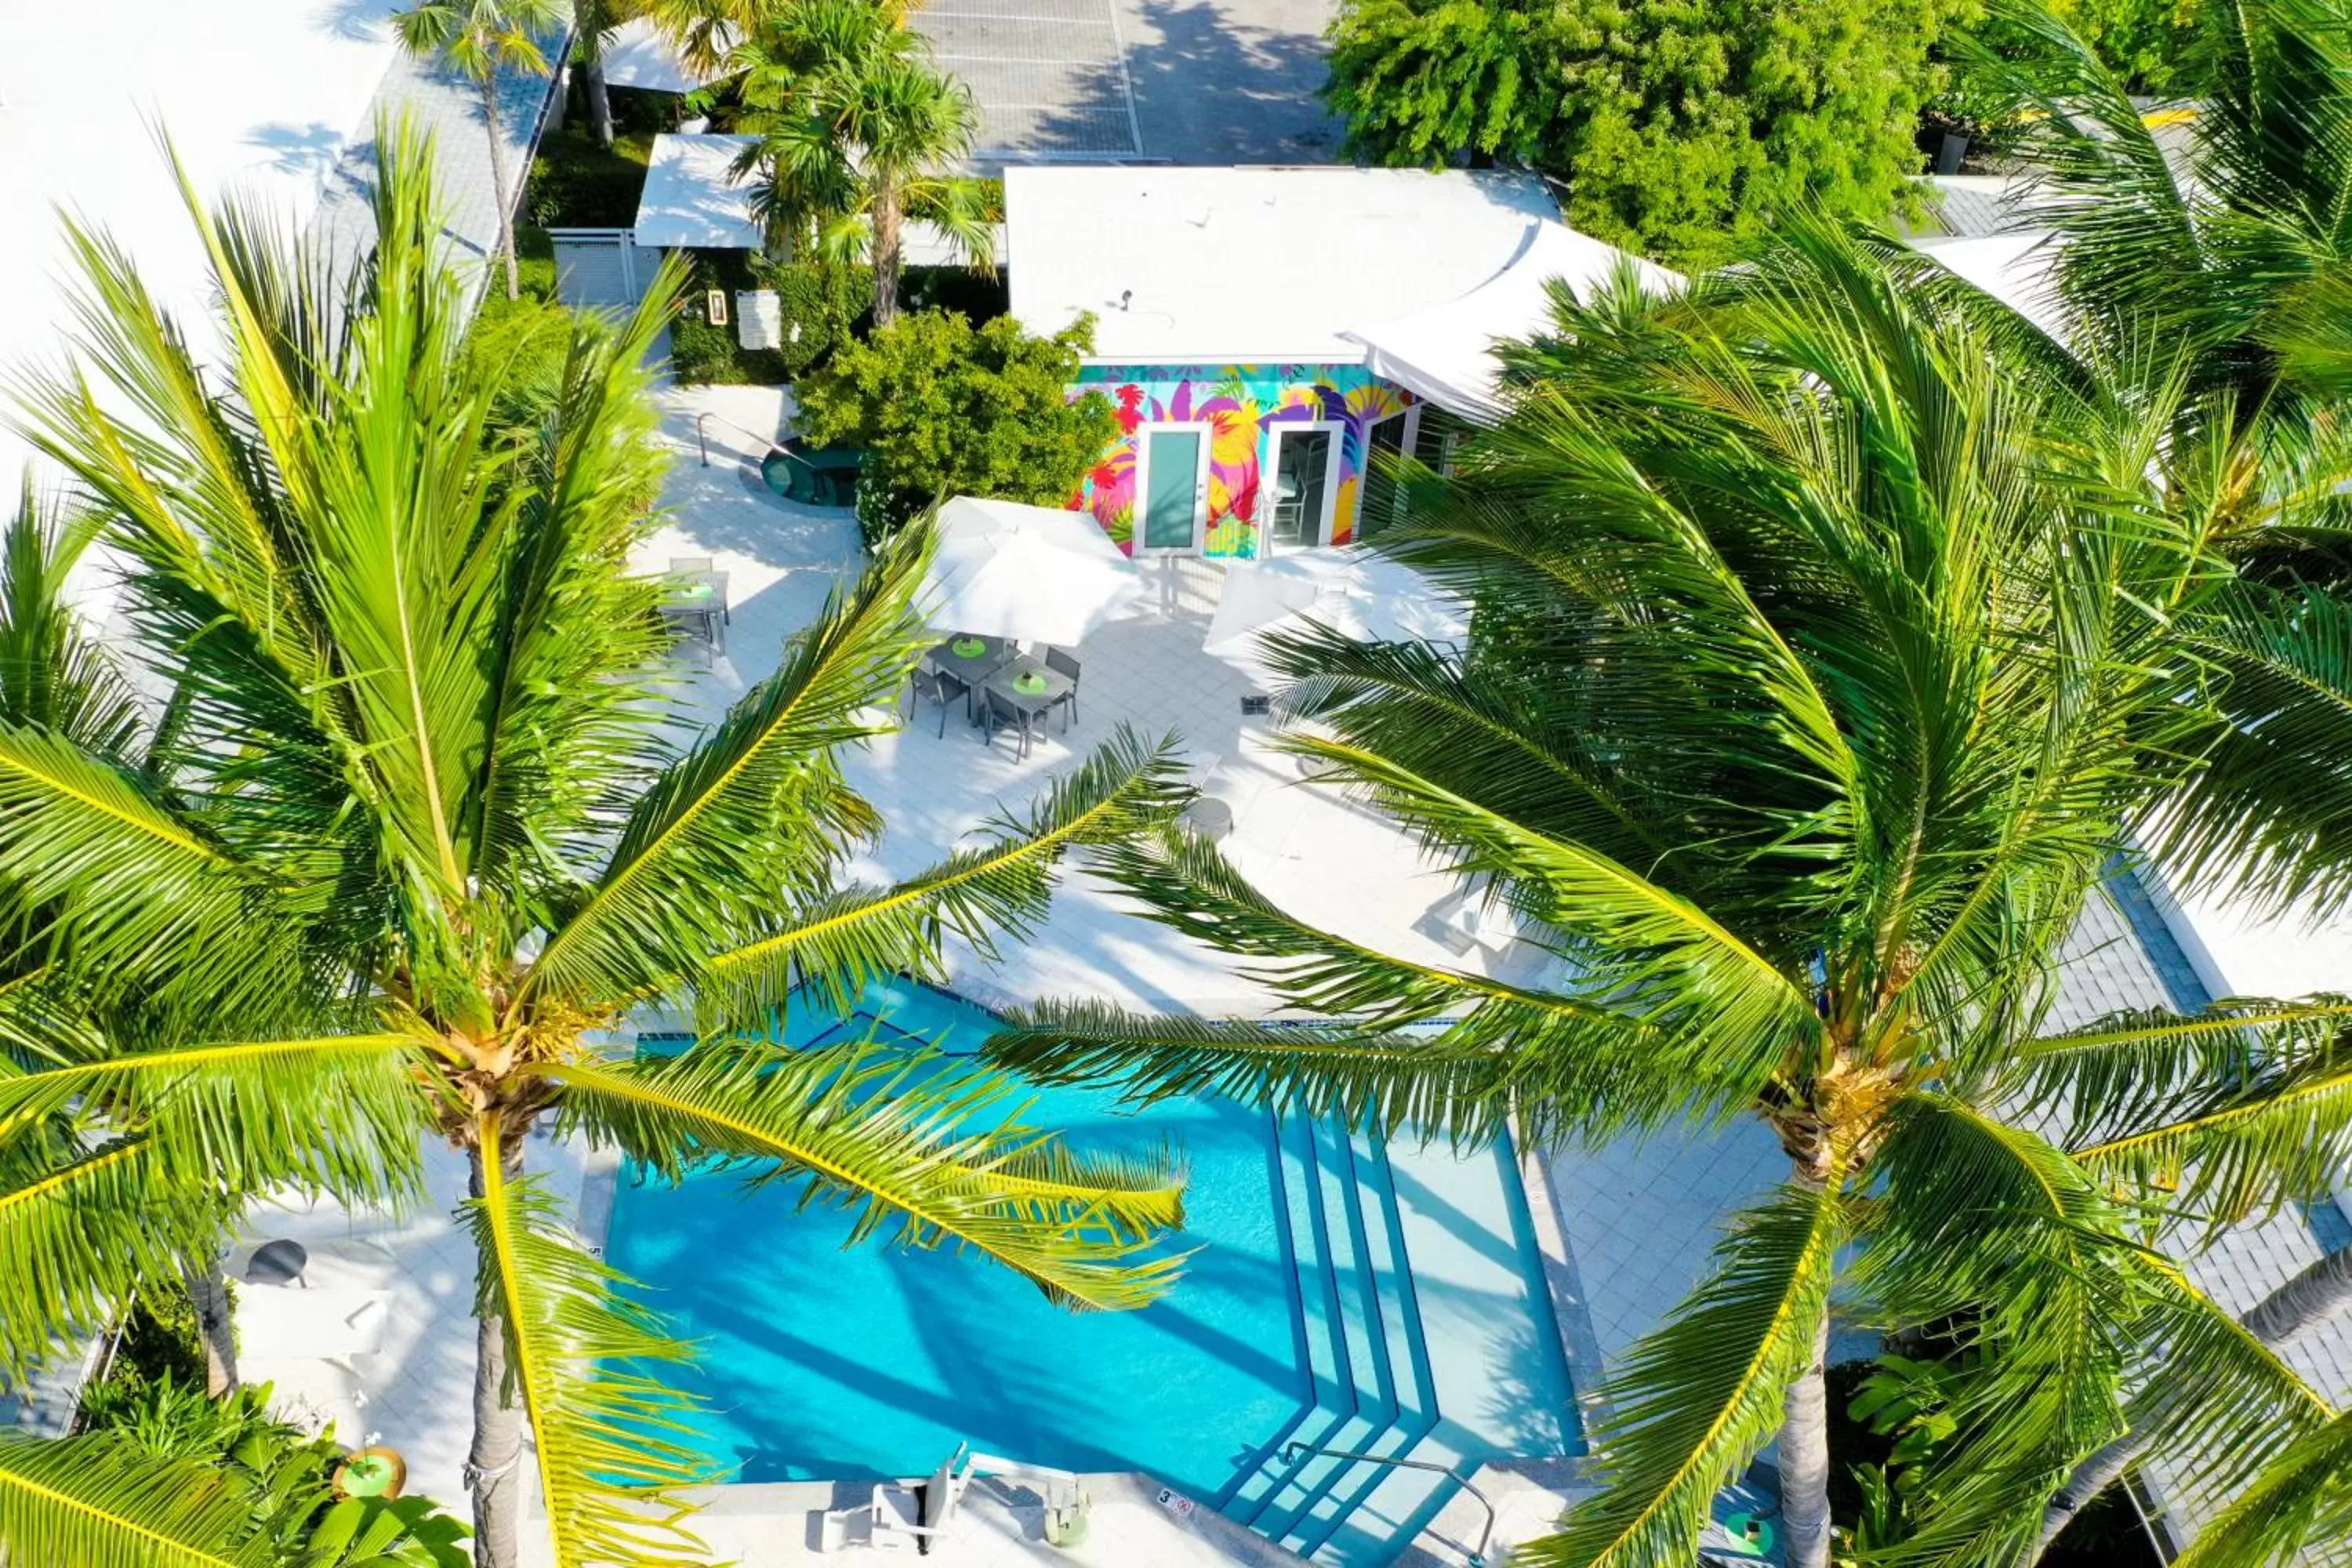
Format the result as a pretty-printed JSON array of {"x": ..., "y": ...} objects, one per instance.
[{"x": 1172, "y": 489}]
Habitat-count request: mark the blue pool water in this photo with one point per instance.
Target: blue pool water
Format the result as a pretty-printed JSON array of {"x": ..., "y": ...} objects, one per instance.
[{"x": 1340, "y": 1294}]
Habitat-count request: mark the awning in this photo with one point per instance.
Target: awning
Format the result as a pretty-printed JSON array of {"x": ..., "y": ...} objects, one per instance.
[{"x": 1446, "y": 354}]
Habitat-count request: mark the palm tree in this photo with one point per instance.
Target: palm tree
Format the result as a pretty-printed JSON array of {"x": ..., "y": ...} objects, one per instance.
[
  {"x": 481, "y": 37},
  {"x": 858, "y": 134},
  {"x": 429, "y": 733},
  {"x": 1821, "y": 668},
  {"x": 2233, "y": 244}
]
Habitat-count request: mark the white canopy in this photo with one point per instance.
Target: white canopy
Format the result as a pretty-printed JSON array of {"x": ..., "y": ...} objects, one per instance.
[
  {"x": 1036, "y": 572},
  {"x": 1362, "y": 596},
  {"x": 1447, "y": 354}
]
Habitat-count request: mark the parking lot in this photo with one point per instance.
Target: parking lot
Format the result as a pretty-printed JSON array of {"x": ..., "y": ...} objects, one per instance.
[{"x": 1183, "y": 82}]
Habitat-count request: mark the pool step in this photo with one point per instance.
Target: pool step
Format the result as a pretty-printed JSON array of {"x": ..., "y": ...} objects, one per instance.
[{"x": 1368, "y": 1355}]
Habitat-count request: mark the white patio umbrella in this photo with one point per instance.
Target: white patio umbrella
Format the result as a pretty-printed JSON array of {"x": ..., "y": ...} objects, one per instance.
[
  {"x": 1365, "y": 597},
  {"x": 1037, "y": 573}
]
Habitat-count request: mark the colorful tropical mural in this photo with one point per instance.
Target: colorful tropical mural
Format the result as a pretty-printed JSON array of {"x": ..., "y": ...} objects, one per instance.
[{"x": 1241, "y": 404}]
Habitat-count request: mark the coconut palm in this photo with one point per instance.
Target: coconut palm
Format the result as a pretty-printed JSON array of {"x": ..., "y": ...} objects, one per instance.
[
  {"x": 429, "y": 736},
  {"x": 1821, "y": 665},
  {"x": 858, "y": 134},
  {"x": 2232, "y": 242},
  {"x": 481, "y": 38}
]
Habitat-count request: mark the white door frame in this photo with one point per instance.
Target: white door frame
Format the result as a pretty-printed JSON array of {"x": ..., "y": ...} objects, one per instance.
[
  {"x": 1143, "y": 434},
  {"x": 1281, "y": 428}
]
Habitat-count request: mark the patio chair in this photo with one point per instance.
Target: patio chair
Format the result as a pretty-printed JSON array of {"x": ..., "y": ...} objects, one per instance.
[
  {"x": 701, "y": 567},
  {"x": 997, "y": 712},
  {"x": 938, "y": 686},
  {"x": 1060, "y": 663}
]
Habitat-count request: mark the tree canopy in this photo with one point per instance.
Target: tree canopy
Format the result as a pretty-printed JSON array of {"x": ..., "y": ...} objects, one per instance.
[
  {"x": 943, "y": 408},
  {"x": 1679, "y": 130}
]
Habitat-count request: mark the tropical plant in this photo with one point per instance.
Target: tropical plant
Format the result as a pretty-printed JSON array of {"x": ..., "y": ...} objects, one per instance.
[
  {"x": 428, "y": 733},
  {"x": 859, "y": 133},
  {"x": 1823, "y": 665},
  {"x": 1682, "y": 131},
  {"x": 943, "y": 408},
  {"x": 480, "y": 38}
]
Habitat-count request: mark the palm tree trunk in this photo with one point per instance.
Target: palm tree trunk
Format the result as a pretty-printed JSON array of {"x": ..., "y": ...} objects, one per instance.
[
  {"x": 600, "y": 101},
  {"x": 2312, "y": 1297},
  {"x": 215, "y": 1330},
  {"x": 494, "y": 1467},
  {"x": 499, "y": 183},
  {"x": 885, "y": 253},
  {"x": 1805, "y": 1461},
  {"x": 2303, "y": 1302}
]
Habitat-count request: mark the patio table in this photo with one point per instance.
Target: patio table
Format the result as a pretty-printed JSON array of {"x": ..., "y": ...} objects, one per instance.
[
  {"x": 969, "y": 658},
  {"x": 700, "y": 600},
  {"x": 1030, "y": 687}
]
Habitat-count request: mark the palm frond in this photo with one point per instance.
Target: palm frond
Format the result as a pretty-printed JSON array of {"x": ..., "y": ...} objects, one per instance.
[
  {"x": 996, "y": 889},
  {"x": 337, "y": 1113},
  {"x": 1692, "y": 1403},
  {"x": 2266, "y": 811},
  {"x": 141, "y": 892},
  {"x": 925, "y": 1152},
  {"x": 95, "y": 1502},
  {"x": 2208, "y": 1400},
  {"x": 81, "y": 1226},
  {"x": 53, "y": 675},
  {"x": 1736, "y": 1004},
  {"x": 754, "y": 815},
  {"x": 2239, "y": 1110},
  {"x": 1992, "y": 1229},
  {"x": 610, "y": 1438},
  {"x": 2297, "y": 1511}
]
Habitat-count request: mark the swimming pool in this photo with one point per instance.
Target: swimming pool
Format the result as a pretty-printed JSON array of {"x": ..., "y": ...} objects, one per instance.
[{"x": 1342, "y": 1295}]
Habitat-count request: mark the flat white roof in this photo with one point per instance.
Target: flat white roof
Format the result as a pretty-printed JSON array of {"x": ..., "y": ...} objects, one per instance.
[
  {"x": 1255, "y": 265},
  {"x": 691, "y": 200},
  {"x": 261, "y": 94}
]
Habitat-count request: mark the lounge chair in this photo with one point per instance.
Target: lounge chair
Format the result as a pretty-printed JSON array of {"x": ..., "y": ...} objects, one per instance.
[{"x": 900, "y": 1518}]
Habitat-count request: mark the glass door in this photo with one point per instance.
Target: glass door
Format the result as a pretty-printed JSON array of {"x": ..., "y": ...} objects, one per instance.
[
  {"x": 1383, "y": 496},
  {"x": 1175, "y": 487},
  {"x": 1302, "y": 483}
]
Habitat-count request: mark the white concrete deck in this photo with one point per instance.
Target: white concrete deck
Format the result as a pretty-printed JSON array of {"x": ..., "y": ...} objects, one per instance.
[{"x": 1311, "y": 851}]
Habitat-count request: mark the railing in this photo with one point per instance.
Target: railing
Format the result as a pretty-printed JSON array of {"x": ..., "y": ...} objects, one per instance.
[{"x": 1291, "y": 1452}]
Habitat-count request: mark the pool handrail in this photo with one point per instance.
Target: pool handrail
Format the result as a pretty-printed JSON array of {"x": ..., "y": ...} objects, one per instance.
[{"x": 1292, "y": 1451}]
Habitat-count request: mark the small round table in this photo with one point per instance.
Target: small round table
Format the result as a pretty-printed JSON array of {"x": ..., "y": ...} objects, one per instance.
[
  {"x": 277, "y": 1263},
  {"x": 1210, "y": 817},
  {"x": 370, "y": 1472}
]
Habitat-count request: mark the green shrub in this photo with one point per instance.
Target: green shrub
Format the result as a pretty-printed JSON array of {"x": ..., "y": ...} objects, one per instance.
[
  {"x": 534, "y": 262},
  {"x": 823, "y": 301},
  {"x": 575, "y": 183},
  {"x": 942, "y": 407},
  {"x": 160, "y": 1343},
  {"x": 286, "y": 1479}
]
